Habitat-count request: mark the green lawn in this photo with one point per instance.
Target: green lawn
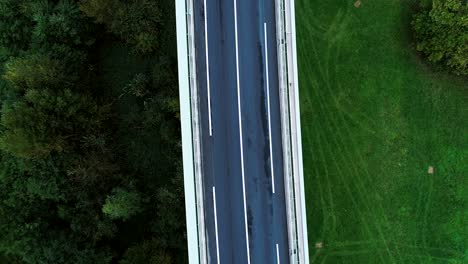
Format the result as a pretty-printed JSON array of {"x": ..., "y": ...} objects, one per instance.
[{"x": 374, "y": 119}]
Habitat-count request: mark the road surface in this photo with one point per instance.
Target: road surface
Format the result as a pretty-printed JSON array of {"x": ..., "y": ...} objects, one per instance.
[{"x": 241, "y": 152}]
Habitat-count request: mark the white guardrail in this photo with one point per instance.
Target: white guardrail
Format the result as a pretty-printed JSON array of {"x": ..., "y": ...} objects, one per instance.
[
  {"x": 191, "y": 145},
  {"x": 291, "y": 132},
  {"x": 290, "y": 123}
]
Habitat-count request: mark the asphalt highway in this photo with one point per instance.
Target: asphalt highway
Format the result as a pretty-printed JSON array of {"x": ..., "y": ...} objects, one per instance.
[{"x": 237, "y": 77}]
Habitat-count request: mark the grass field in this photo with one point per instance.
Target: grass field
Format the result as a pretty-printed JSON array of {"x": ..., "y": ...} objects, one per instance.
[{"x": 374, "y": 120}]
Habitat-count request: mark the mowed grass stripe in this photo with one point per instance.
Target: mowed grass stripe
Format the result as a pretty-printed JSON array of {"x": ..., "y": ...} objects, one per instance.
[
  {"x": 366, "y": 104},
  {"x": 345, "y": 159},
  {"x": 338, "y": 165}
]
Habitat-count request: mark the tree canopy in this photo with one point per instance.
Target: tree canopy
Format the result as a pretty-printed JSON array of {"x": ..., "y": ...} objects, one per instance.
[
  {"x": 89, "y": 162},
  {"x": 137, "y": 21},
  {"x": 441, "y": 31}
]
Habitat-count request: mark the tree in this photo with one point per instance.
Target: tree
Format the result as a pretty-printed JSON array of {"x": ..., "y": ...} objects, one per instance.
[
  {"x": 138, "y": 86},
  {"x": 15, "y": 26},
  {"x": 148, "y": 252},
  {"x": 60, "y": 23},
  {"x": 36, "y": 71},
  {"x": 81, "y": 178},
  {"x": 32, "y": 228},
  {"x": 441, "y": 33},
  {"x": 47, "y": 121},
  {"x": 101, "y": 10},
  {"x": 170, "y": 224},
  {"x": 122, "y": 204},
  {"x": 42, "y": 24},
  {"x": 135, "y": 21}
]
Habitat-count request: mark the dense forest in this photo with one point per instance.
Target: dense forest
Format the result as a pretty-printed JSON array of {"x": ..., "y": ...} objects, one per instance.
[{"x": 90, "y": 159}]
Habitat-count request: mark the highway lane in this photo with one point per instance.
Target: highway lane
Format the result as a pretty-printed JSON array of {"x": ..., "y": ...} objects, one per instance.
[{"x": 237, "y": 75}]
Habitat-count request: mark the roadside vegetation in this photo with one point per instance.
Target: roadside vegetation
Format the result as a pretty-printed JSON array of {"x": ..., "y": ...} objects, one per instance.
[
  {"x": 441, "y": 33},
  {"x": 384, "y": 134},
  {"x": 89, "y": 133}
]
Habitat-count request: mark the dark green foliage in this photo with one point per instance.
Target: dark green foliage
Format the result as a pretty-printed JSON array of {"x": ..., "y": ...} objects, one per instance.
[
  {"x": 135, "y": 21},
  {"x": 122, "y": 204},
  {"x": 88, "y": 162},
  {"x": 138, "y": 86},
  {"x": 43, "y": 24},
  {"x": 15, "y": 26},
  {"x": 6, "y": 259},
  {"x": 59, "y": 24},
  {"x": 36, "y": 71},
  {"x": 30, "y": 225},
  {"x": 46, "y": 121},
  {"x": 148, "y": 252},
  {"x": 171, "y": 211},
  {"x": 101, "y": 10},
  {"x": 441, "y": 32}
]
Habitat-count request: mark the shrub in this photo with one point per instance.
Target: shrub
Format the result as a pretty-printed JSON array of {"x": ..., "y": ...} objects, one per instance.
[
  {"x": 61, "y": 23},
  {"x": 15, "y": 27},
  {"x": 441, "y": 32},
  {"x": 46, "y": 121},
  {"x": 101, "y": 10},
  {"x": 135, "y": 21},
  {"x": 138, "y": 86},
  {"x": 148, "y": 252},
  {"x": 35, "y": 71},
  {"x": 122, "y": 204}
]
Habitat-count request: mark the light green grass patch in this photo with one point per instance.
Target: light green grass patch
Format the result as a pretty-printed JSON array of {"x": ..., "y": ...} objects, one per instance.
[{"x": 374, "y": 118}]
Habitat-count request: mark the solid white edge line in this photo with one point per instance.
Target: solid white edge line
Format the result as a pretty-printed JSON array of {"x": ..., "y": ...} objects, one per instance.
[
  {"x": 240, "y": 130},
  {"x": 207, "y": 68},
  {"x": 277, "y": 254},
  {"x": 216, "y": 224},
  {"x": 268, "y": 104}
]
